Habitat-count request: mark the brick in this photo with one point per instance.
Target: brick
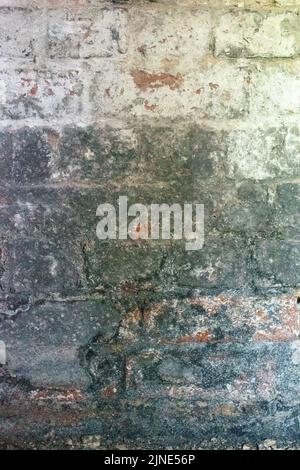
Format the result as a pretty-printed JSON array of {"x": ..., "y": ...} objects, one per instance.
[
  {"x": 25, "y": 156},
  {"x": 189, "y": 151},
  {"x": 277, "y": 263},
  {"x": 48, "y": 356},
  {"x": 57, "y": 214},
  {"x": 287, "y": 197},
  {"x": 87, "y": 33},
  {"x": 43, "y": 155},
  {"x": 198, "y": 373},
  {"x": 244, "y": 210},
  {"x": 136, "y": 262},
  {"x": 43, "y": 266},
  {"x": 221, "y": 263},
  {"x": 218, "y": 92},
  {"x": 23, "y": 33},
  {"x": 214, "y": 319},
  {"x": 286, "y": 203},
  {"x": 255, "y": 220},
  {"x": 280, "y": 81},
  {"x": 103, "y": 153},
  {"x": 95, "y": 154},
  {"x": 70, "y": 213},
  {"x": 38, "y": 212},
  {"x": 107, "y": 90},
  {"x": 31, "y": 156},
  {"x": 263, "y": 153},
  {"x": 257, "y": 34},
  {"x": 169, "y": 40},
  {"x": 32, "y": 94}
]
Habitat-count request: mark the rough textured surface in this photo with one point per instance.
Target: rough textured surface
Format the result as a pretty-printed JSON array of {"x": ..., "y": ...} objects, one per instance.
[{"x": 122, "y": 344}]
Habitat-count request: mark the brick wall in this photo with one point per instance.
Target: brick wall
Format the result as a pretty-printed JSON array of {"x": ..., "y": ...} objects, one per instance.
[{"x": 120, "y": 344}]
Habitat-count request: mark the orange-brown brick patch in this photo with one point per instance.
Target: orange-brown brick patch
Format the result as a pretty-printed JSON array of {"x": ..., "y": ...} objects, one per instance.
[{"x": 144, "y": 80}]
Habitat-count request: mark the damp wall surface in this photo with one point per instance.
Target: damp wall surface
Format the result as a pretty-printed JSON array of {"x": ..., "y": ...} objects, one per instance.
[{"x": 122, "y": 344}]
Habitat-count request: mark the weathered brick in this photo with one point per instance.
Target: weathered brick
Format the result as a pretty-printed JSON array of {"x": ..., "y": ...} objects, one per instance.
[
  {"x": 23, "y": 33},
  {"x": 257, "y": 34},
  {"x": 263, "y": 153},
  {"x": 54, "y": 215},
  {"x": 217, "y": 91},
  {"x": 49, "y": 356},
  {"x": 25, "y": 156},
  {"x": 169, "y": 40},
  {"x": 43, "y": 266},
  {"x": 279, "y": 81},
  {"x": 222, "y": 263},
  {"x": 250, "y": 372},
  {"x": 277, "y": 263},
  {"x": 189, "y": 151},
  {"x": 135, "y": 262},
  {"x": 66, "y": 212},
  {"x": 43, "y": 155},
  {"x": 286, "y": 202},
  {"x": 38, "y": 213},
  {"x": 87, "y": 33},
  {"x": 244, "y": 210},
  {"x": 107, "y": 90},
  {"x": 43, "y": 94},
  {"x": 95, "y": 154},
  {"x": 71, "y": 214},
  {"x": 101, "y": 153},
  {"x": 214, "y": 319}
]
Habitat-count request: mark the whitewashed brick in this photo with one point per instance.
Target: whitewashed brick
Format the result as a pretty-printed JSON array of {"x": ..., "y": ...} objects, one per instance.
[
  {"x": 22, "y": 33},
  {"x": 87, "y": 33},
  {"x": 42, "y": 94},
  {"x": 217, "y": 92},
  {"x": 257, "y": 34},
  {"x": 169, "y": 39},
  {"x": 264, "y": 153},
  {"x": 275, "y": 90}
]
